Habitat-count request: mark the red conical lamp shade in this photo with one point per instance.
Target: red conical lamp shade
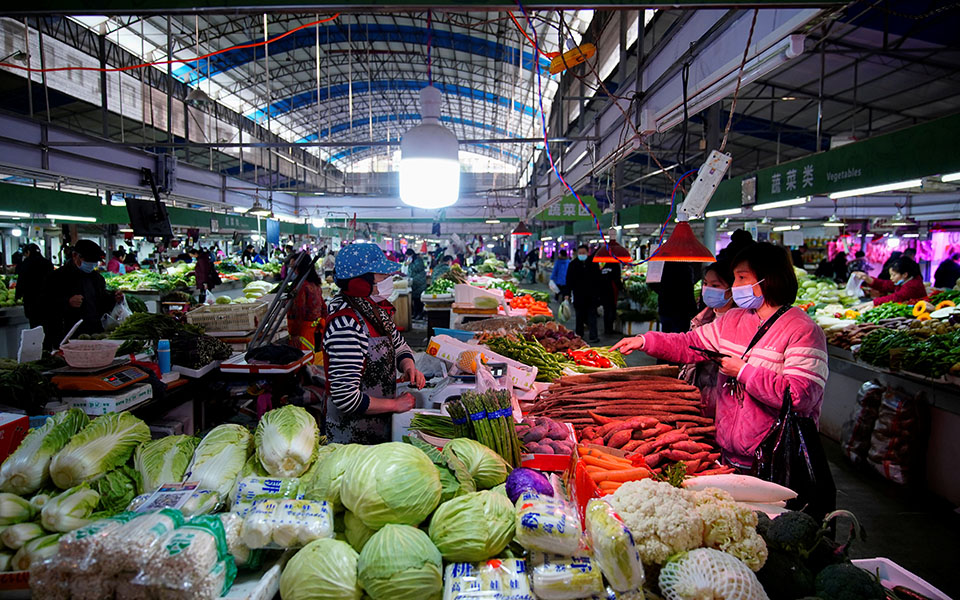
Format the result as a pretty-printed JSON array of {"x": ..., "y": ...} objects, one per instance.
[
  {"x": 683, "y": 246},
  {"x": 521, "y": 229},
  {"x": 616, "y": 254}
]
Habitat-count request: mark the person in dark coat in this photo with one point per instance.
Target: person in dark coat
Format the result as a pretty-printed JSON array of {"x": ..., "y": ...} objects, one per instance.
[
  {"x": 676, "y": 303},
  {"x": 583, "y": 277},
  {"x": 205, "y": 272},
  {"x": 838, "y": 267},
  {"x": 611, "y": 284},
  {"x": 78, "y": 291},
  {"x": 947, "y": 273},
  {"x": 32, "y": 276}
]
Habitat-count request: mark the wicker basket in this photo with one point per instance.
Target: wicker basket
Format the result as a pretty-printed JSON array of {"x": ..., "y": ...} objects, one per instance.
[
  {"x": 90, "y": 354},
  {"x": 228, "y": 317}
]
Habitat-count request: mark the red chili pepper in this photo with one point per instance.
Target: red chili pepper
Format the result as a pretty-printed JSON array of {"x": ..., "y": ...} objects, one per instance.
[{"x": 604, "y": 362}]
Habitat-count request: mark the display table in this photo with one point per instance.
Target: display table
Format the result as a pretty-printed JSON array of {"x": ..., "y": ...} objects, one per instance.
[{"x": 942, "y": 456}]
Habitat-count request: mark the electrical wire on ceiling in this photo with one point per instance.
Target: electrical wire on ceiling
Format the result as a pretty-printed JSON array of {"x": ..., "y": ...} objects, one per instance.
[
  {"x": 173, "y": 60},
  {"x": 736, "y": 91}
]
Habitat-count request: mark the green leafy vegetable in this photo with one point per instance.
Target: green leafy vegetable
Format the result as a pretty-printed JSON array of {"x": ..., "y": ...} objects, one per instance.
[
  {"x": 325, "y": 482},
  {"x": 486, "y": 467},
  {"x": 14, "y": 509},
  {"x": 322, "y": 569},
  {"x": 219, "y": 457},
  {"x": 287, "y": 439},
  {"x": 106, "y": 443},
  {"x": 28, "y": 468},
  {"x": 164, "y": 460},
  {"x": 399, "y": 562},
  {"x": 116, "y": 488},
  {"x": 70, "y": 510},
  {"x": 473, "y": 527}
]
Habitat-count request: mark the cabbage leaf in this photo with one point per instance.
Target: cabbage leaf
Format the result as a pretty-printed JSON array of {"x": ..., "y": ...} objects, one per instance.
[{"x": 103, "y": 445}]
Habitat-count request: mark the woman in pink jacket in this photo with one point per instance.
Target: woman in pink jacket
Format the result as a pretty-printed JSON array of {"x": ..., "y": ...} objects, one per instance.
[{"x": 792, "y": 352}]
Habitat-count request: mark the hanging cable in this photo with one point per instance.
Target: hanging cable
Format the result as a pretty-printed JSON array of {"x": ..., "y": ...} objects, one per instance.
[
  {"x": 736, "y": 91},
  {"x": 173, "y": 60},
  {"x": 430, "y": 46}
]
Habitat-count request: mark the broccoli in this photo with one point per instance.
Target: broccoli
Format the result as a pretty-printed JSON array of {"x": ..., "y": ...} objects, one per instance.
[
  {"x": 763, "y": 523},
  {"x": 794, "y": 531},
  {"x": 847, "y": 582},
  {"x": 784, "y": 576}
]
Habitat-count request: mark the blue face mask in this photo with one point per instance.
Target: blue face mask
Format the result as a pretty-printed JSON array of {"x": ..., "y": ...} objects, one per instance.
[
  {"x": 901, "y": 282},
  {"x": 714, "y": 297},
  {"x": 87, "y": 266},
  {"x": 581, "y": 257},
  {"x": 743, "y": 296}
]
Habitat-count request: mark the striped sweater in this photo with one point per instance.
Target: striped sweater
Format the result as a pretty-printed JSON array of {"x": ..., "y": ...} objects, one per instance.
[
  {"x": 346, "y": 343},
  {"x": 793, "y": 353}
]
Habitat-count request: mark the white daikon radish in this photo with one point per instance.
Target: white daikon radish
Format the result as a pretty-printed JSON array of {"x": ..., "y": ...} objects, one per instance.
[
  {"x": 771, "y": 510},
  {"x": 743, "y": 488}
]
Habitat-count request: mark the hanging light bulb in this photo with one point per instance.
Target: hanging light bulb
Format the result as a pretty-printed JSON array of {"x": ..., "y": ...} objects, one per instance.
[
  {"x": 257, "y": 209},
  {"x": 521, "y": 229},
  {"x": 429, "y": 158}
]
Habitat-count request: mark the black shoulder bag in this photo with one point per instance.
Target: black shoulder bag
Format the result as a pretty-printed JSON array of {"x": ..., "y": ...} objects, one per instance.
[{"x": 792, "y": 455}]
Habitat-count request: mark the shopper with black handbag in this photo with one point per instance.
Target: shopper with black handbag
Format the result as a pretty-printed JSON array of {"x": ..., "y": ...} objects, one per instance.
[{"x": 767, "y": 351}]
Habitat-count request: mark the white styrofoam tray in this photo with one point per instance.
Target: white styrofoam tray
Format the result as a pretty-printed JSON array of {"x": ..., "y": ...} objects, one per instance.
[
  {"x": 196, "y": 373},
  {"x": 891, "y": 575}
]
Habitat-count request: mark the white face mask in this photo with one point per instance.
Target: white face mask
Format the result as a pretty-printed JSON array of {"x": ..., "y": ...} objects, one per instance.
[{"x": 383, "y": 290}]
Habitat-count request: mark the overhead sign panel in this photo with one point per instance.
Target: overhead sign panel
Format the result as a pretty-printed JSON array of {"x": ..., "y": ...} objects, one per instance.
[{"x": 568, "y": 209}]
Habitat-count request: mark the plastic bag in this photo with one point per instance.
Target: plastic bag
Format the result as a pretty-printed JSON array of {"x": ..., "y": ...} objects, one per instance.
[
  {"x": 243, "y": 556},
  {"x": 214, "y": 584},
  {"x": 565, "y": 311},
  {"x": 565, "y": 577},
  {"x": 79, "y": 548},
  {"x": 201, "y": 502},
  {"x": 121, "y": 310},
  {"x": 614, "y": 550},
  {"x": 553, "y": 287},
  {"x": 547, "y": 524},
  {"x": 896, "y": 444},
  {"x": 856, "y": 434},
  {"x": 186, "y": 555},
  {"x": 275, "y": 523},
  {"x": 129, "y": 548},
  {"x": 251, "y": 489},
  {"x": 496, "y": 579},
  {"x": 853, "y": 286},
  {"x": 50, "y": 579}
]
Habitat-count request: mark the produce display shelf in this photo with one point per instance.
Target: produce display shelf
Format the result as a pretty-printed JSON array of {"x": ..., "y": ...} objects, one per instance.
[{"x": 238, "y": 364}]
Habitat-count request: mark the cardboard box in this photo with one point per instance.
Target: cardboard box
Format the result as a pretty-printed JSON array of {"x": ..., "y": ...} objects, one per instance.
[
  {"x": 447, "y": 348},
  {"x": 100, "y": 405},
  {"x": 13, "y": 428}
]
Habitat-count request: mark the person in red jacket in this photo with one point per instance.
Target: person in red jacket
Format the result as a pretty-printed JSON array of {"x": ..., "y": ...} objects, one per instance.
[{"x": 905, "y": 284}]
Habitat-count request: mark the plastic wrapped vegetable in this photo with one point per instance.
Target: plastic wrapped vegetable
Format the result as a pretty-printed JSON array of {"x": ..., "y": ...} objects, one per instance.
[
  {"x": 219, "y": 458},
  {"x": 186, "y": 555},
  {"x": 103, "y": 445},
  {"x": 251, "y": 468},
  {"x": 164, "y": 460},
  {"x": 613, "y": 548},
  {"x": 494, "y": 579},
  {"x": 391, "y": 483},
  {"x": 28, "y": 468},
  {"x": 79, "y": 548},
  {"x": 548, "y": 524},
  {"x": 473, "y": 527},
  {"x": 242, "y": 555},
  {"x": 130, "y": 546},
  {"x": 14, "y": 509},
  {"x": 564, "y": 577},
  {"x": 523, "y": 480},
  {"x": 201, "y": 502},
  {"x": 287, "y": 439},
  {"x": 286, "y": 523},
  {"x": 708, "y": 573},
  {"x": 251, "y": 489},
  {"x": 399, "y": 562},
  {"x": 322, "y": 569},
  {"x": 213, "y": 585},
  {"x": 487, "y": 468},
  {"x": 50, "y": 579},
  {"x": 15, "y": 536},
  {"x": 324, "y": 482},
  {"x": 37, "y": 549},
  {"x": 70, "y": 510}
]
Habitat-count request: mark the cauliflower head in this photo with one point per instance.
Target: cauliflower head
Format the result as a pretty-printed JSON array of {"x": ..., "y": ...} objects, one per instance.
[
  {"x": 663, "y": 519},
  {"x": 730, "y": 527}
]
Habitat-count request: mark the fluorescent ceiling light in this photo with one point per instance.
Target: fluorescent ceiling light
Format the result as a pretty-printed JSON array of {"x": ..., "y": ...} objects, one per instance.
[
  {"x": 546, "y": 239},
  {"x": 489, "y": 245},
  {"x": 781, "y": 203},
  {"x": 787, "y": 228},
  {"x": 14, "y": 214},
  {"x": 492, "y": 221},
  {"x": 632, "y": 226},
  {"x": 911, "y": 235},
  {"x": 727, "y": 212},
  {"x": 834, "y": 224},
  {"x": 876, "y": 189},
  {"x": 429, "y": 158},
  {"x": 318, "y": 222},
  {"x": 241, "y": 209},
  {"x": 70, "y": 218},
  {"x": 950, "y": 177},
  {"x": 125, "y": 230}
]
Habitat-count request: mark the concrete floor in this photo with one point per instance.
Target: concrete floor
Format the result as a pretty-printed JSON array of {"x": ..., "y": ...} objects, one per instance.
[{"x": 916, "y": 530}]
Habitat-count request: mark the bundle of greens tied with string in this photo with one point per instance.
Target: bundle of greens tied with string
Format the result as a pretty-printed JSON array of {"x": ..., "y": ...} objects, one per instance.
[{"x": 488, "y": 419}]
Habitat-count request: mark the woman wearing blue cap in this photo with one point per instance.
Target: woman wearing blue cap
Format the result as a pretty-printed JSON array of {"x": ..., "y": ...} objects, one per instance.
[{"x": 363, "y": 351}]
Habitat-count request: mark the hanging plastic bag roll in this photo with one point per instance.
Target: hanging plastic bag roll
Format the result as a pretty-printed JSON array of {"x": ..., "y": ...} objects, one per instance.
[{"x": 853, "y": 286}]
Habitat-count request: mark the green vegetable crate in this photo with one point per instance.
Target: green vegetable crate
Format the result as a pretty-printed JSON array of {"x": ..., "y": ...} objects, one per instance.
[{"x": 228, "y": 317}]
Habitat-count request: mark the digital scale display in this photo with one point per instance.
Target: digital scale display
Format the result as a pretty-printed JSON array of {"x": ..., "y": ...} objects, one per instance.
[
  {"x": 111, "y": 379},
  {"x": 123, "y": 377}
]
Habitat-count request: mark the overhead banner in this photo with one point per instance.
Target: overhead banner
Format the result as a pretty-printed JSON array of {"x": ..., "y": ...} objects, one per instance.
[{"x": 568, "y": 209}]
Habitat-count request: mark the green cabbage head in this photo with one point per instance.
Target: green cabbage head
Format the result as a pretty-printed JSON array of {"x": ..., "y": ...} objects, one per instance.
[
  {"x": 486, "y": 467},
  {"x": 323, "y": 482},
  {"x": 391, "y": 483},
  {"x": 355, "y": 531},
  {"x": 287, "y": 439},
  {"x": 399, "y": 562},
  {"x": 474, "y": 527},
  {"x": 70, "y": 510},
  {"x": 324, "y": 569}
]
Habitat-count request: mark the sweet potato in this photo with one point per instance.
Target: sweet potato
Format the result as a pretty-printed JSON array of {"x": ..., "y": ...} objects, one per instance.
[
  {"x": 653, "y": 459},
  {"x": 618, "y": 439},
  {"x": 535, "y": 434},
  {"x": 631, "y": 445}
]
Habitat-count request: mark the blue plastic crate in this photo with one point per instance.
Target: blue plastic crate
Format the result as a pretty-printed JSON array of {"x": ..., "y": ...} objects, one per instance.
[{"x": 457, "y": 334}]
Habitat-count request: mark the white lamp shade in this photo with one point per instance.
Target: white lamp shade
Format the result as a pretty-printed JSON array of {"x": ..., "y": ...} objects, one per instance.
[{"x": 429, "y": 159}]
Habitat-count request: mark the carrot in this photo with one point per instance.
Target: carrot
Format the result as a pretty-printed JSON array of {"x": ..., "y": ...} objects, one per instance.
[
  {"x": 609, "y": 486},
  {"x": 598, "y": 455},
  {"x": 597, "y": 462},
  {"x": 591, "y": 469},
  {"x": 622, "y": 475}
]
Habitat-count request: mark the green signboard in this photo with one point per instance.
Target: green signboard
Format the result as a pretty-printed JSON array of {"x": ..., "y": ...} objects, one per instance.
[
  {"x": 568, "y": 209},
  {"x": 919, "y": 151}
]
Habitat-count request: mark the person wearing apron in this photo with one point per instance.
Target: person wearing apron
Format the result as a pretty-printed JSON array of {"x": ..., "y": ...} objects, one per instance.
[{"x": 363, "y": 351}]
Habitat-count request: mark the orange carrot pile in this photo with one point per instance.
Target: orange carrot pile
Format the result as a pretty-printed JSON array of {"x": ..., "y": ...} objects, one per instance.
[
  {"x": 534, "y": 307},
  {"x": 609, "y": 472}
]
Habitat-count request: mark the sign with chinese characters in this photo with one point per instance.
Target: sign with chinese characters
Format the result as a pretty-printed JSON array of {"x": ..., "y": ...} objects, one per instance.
[
  {"x": 568, "y": 209},
  {"x": 912, "y": 153}
]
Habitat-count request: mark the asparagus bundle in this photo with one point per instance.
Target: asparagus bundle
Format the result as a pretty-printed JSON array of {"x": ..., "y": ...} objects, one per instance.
[{"x": 488, "y": 419}]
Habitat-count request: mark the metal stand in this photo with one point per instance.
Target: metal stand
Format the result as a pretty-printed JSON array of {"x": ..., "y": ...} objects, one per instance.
[{"x": 287, "y": 292}]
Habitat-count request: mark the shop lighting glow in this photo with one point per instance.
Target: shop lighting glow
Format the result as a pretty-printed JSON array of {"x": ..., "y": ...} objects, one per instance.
[
  {"x": 834, "y": 221},
  {"x": 14, "y": 214},
  {"x": 782, "y": 203},
  {"x": 318, "y": 222},
  {"x": 429, "y": 158},
  {"x": 70, "y": 218},
  {"x": 492, "y": 221},
  {"x": 16, "y": 232},
  {"x": 125, "y": 230},
  {"x": 546, "y": 239},
  {"x": 911, "y": 235},
  {"x": 787, "y": 228},
  {"x": 241, "y": 209},
  {"x": 632, "y": 226},
  {"x": 489, "y": 245},
  {"x": 950, "y": 177},
  {"x": 727, "y": 212},
  {"x": 876, "y": 189}
]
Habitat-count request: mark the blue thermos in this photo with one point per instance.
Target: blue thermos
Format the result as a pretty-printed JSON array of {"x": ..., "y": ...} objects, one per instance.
[{"x": 163, "y": 355}]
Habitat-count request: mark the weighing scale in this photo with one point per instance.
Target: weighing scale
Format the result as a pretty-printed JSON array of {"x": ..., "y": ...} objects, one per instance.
[
  {"x": 453, "y": 386},
  {"x": 118, "y": 386}
]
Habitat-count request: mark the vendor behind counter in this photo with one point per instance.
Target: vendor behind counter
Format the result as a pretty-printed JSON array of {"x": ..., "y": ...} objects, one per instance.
[{"x": 905, "y": 284}]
